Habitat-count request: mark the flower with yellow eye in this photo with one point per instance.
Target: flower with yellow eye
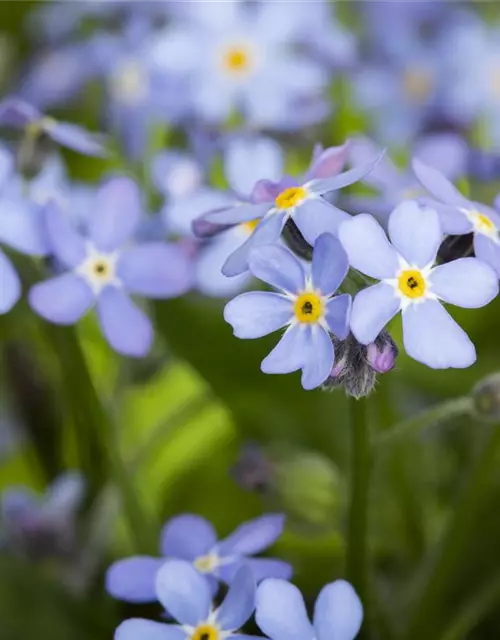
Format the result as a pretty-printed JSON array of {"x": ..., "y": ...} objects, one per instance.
[
  {"x": 186, "y": 595},
  {"x": 410, "y": 283},
  {"x": 306, "y": 306}
]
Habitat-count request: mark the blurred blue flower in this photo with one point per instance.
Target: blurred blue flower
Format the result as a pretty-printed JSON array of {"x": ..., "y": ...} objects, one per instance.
[
  {"x": 103, "y": 269},
  {"x": 305, "y": 305},
  {"x": 184, "y": 593},
  {"x": 460, "y": 216},
  {"x": 410, "y": 283},
  {"x": 274, "y": 203},
  {"x": 18, "y": 114},
  {"x": 42, "y": 525},
  {"x": 281, "y": 613},
  {"x": 192, "y": 538},
  {"x": 248, "y": 62}
]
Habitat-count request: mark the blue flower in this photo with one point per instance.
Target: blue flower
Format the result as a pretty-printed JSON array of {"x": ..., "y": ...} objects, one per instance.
[
  {"x": 192, "y": 538},
  {"x": 187, "y": 596},
  {"x": 410, "y": 283},
  {"x": 305, "y": 305},
  {"x": 274, "y": 203},
  {"x": 461, "y": 216},
  {"x": 103, "y": 270},
  {"x": 248, "y": 62},
  {"x": 18, "y": 114},
  {"x": 281, "y": 613}
]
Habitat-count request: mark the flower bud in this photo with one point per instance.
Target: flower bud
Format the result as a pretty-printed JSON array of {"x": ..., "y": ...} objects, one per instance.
[
  {"x": 486, "y": 398},
  {"x": 253, "y": 471},
  {"x": 381, "y": 355}
]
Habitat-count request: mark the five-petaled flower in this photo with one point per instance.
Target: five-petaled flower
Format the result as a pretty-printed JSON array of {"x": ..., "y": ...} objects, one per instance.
[
  {"x": 192, "y": 538},
  {"x": 104, "y": 267},
  {"x": 306, "y": 306},
  {"x": 410, "y": 283}
]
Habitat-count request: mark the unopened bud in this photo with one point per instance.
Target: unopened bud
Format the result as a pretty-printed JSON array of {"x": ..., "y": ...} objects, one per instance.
[
  {"x": 486, "y": 398},
  {"x": 381, "y": 355},
  {"x": 253, "y": 471}
]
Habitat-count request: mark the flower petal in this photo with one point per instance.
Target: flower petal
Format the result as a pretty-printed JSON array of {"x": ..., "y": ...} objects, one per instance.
[
  {"x": 278, "y": 267},
  {"x": 431, "y": 336},
  {"x": 372, "y": 309},
  {"x": 338, "y": 613},
  {"x": 17, "y": 113},
  {"x": 329, "y": 264},
  {"x": 155, "y": 270},
  {"x": 183, "y": 592},
  {"x": 76, "y": 138},
  {"x": 290, "y": 352},
  {"x": 320, "y": 359},
  {"x": 126, "y": 327},
  {"x": 437, "y": 185},
  {"x": 250, "y": 159},
  {"x": 338, "y": 312},
  {"x": 467, "y": 282},
  {"x": 239, "y": 603},
  {"x": 64, "y": 495},
  {"x": 137, "y": 628},
  {"x": 317, "y": 216},
  {"x": 263, "y": 568},
  {"x": 134, "y": 579},
  {"x": 415, "y": 232},
  {"x": 452, "y": 219},
  {"x": 328, "y": 162},
  {"x": 346, "y": 178},
  {"x": 257, "y": 313},
  {"x": 253, "y": 536},
  {"x": 187, "y": 536},
  {"x": 488, "y": 250},
  {"x": 21, "y": 226},
  {"x": 10, "y": 285},
  {"x": 181, "y": 214},
  {"x": 267, "y": 232},
  {"x": 116, "y": 213},
  {"x": 66, "y": 244},
  {"x": 367, "y": 247},
  {"x": 281, "y": 613},
  {"x": 243, "y": 212},
  {"x": 63, "y": 300}
]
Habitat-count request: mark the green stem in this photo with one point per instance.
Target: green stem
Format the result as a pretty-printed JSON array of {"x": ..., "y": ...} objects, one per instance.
[
  {"x": 428, "y": 418},
  {"x": 357, "y": 535},
  {"x": 440, "y": 573}
]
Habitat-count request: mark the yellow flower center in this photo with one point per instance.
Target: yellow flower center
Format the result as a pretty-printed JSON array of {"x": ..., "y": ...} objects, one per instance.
[
  {"x": 101, "y": 269},
  {"x": 291, "y": 197},
  {"x": 206, "y": 564},
  {"x": 129, "y": 83},
  {"x": 205, "y": 632},
  {"x": 484, "y": 223},
  {"x": 308, "y": 308},
  {"x": 237, "y": 59},
  {"x": 417, "y": 84},
  {"x": 412, "y": 284},
  {"x": 251, "y": 225}
]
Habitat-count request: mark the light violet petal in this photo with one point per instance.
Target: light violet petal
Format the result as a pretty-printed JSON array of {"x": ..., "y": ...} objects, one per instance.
[
  {"x": 453, "y": 221},
  {"x": 277, "y": 266},
  {"x": 137, "y": 628},
  {"x": 281, "y": 613},
  {"x": 431, "y": 336},
  {"x": 187, "y": 536},
  {"x": 77, "y": 138},
  {"x": 208, "y": 275},
  {"x": 244, "y": 212},
  {"x": 239, "y": 603},
  {"x": 183, "y": 592},
  {"x": 320, "y": 359},
  {"x": 467, "y": 282},
  {"x": 317, "y": 216},
  {"x": 488, "y": 250},
  {"x": 437, "y": 185},
  {"x": 338, "y": 613},
  {"x": 250, "y": 159},
  {"x": 21, "y": 226},
  {"x": 329, "y": 265},
  {"x": 257, "y": 313},
  {"x": 253, "y": 536},
  {"x": 415, "y": 232},
  {"x": 289, "y": 354},
  {"x": 263, "y": 568},
  {"x": 10, "y": 285},
  {"x": 62, "y": 300},
  {"x": 367, "y": 247},
  {"x": 66, "y": 244},
  {"x": 346, "y": 178},
  {"x": 328, "y": 162},
  {"x": 338, "y": 314},
  {"x": 372, "y": 309},
  {"x": 133, "y": 579}
]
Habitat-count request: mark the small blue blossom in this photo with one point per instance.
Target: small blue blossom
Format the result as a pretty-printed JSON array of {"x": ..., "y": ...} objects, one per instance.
[
  {"x": 274, "y": 203},
  {"x": 305, "y": 305},
  {"x": 18, "y": 114},
  {"x": 187, "y": 596},
  {"x": 192, "y": 538},
  {"x": 281, "y": 613},
  {"x": 103, "y": 269},
  {"x": 410, "y": 283}
]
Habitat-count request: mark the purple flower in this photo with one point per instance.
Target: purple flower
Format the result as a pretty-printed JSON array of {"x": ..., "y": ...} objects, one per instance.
[
  {"x": 18, "y": 114},
  {"x": 274, "y": 203},
  {"x": 305, "y": 305},
  {"x": 281, "y": 613},
  {"x": 192, "y": 538},
  {"x": 184, "y": 593},
  {"x": 410, "y": 283},
  {"x": 103, "y": 269},
  {"x": 460, "y": 216}
]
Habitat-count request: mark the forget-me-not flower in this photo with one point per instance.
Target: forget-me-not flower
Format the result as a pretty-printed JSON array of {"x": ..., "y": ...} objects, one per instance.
[
  {"x": 281, "y": 613},
  {"x": 104, "y": 269},
  {"x": 306, "y": 305},
  {"x": 187, "y": 596},
  {"x": 192, "y": 538},
  {"x": 460, "y": 216},
  {"x": 410, "y": 283}
]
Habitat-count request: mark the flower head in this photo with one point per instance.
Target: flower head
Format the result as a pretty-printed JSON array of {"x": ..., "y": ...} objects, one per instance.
[
  {"x": 410, "y": 283},
  {"x": 306, "y": 305},
  {"x": 186, "y": 595},
  {"x": 103, "y": 268},
  {"x": 281, "y": 612},
  {"x": 193, "y": 539}
]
